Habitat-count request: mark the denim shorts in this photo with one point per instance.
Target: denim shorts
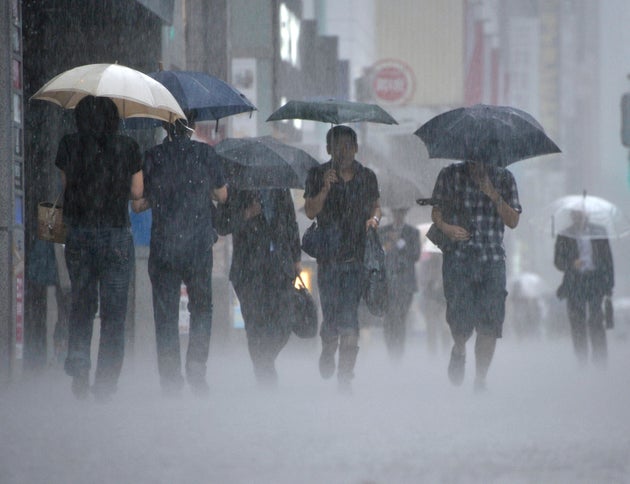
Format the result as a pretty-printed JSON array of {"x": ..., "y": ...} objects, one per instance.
[{"x": 475, "y": 295}]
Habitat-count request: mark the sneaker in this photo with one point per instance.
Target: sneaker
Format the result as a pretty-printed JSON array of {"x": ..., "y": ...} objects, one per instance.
[
  {"x": 81, "y": 383},
  {"x": 457, "y": 367}
]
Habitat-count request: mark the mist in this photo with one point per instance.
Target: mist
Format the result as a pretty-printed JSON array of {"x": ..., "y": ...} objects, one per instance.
[{"x": 541, "y": 420}]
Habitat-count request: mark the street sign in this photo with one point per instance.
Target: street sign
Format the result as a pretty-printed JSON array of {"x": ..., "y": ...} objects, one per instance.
[{"x": 393, "y": 82}]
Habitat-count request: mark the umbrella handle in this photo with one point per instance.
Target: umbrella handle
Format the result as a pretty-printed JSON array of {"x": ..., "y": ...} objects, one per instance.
[{"x": 553, "y": 227}]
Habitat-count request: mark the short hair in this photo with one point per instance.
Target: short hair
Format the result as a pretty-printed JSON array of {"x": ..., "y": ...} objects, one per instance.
[{"x": 339, "y": 131}]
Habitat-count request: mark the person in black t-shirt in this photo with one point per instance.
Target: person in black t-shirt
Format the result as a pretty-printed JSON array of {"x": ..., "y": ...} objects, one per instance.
[
  {"x": 181, "y": 178},
  {"x": 100, "y": 171},
  {"x": 343, "y": 194}
]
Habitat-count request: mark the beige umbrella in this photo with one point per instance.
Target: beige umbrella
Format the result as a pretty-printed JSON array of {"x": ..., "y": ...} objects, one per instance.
[{"x": 136, "y": 95}]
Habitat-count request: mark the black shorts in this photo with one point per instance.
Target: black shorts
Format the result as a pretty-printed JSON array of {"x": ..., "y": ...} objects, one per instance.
[{"x": 475, "y": 295}]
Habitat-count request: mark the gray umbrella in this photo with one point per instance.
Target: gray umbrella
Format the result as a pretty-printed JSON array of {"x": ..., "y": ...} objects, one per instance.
[
  {"x": 491, "y": 134},
  {"x": 332, "y": 111},
  {"x": 263, "y": 162}
]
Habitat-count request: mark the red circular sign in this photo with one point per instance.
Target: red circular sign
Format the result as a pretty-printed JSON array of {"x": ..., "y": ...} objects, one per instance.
[{"x": 392, "y": 82}]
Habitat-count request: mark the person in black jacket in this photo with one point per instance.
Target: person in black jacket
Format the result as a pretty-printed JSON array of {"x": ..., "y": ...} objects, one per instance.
[
  {"x": 583, "y": 253},
  {"x": 265, "y": 262},
  {"x": 181, "y": 178},
  {"x": 401, "y": 243}
]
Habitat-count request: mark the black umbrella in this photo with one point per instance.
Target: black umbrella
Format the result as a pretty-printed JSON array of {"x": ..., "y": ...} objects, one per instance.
[
  {"x": 263, "y": 162},
  {"x": 499, "y": 135},
  {"x": 332, "y": 111}
]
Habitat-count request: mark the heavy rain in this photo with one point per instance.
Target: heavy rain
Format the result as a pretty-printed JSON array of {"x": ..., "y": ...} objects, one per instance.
[{"x": 502, "y": 127}]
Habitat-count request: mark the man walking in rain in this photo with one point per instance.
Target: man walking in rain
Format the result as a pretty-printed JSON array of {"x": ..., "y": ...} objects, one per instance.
[
  {"x": 181, "y": 178},
  {"x": 583, "y": 254},
  {"x": 474, "y": 203},
  {"x": 344, "y": 196}
]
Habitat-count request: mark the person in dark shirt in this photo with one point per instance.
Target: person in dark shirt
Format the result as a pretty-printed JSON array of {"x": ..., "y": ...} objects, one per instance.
[
  {"x": 265, "y": 262},
  {"x": 582, "y": 253},
  {"x": 100, "y": 171},
  {"x": 181, "y": 178},
  {"x": 342, "y": 194}
]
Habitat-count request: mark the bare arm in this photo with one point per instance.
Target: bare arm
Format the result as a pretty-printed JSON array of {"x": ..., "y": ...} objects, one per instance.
[
  {"x": 314, "y": 205},
  {"x": 453, "y": 232},
  {"x": 375, "y": 217},
  {"x": 220, "y": 194},
  {"x": 509, "y": 216},
  {"x": 140, "y": 205},
  {"x": 137, "y": 186}
]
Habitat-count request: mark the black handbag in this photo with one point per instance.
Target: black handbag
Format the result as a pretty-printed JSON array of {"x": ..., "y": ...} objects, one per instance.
[
  {"x": 609, "y": 315},
  {"x": 322, "y": 243},
  {"x": 376, "y": 287},
  {"x": 304, "y": 311}
]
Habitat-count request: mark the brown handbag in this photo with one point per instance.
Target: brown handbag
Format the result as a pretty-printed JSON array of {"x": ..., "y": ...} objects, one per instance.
[{"x": 50, "y": 226}]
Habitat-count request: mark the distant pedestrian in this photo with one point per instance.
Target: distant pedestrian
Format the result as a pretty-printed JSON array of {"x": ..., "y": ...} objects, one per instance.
[
  {"x": 182, "y": 177},
  {"x": 475, "y": 201},
  {"x": 265, "y": 262},
  {"x": 401, "y": 243},
  {"x": 344, "y": 196},
  {"x": 583, "y": 254},
  {"x": 101, "y": 171}
]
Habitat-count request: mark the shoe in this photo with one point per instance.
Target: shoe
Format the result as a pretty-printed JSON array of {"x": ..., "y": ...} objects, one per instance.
[
  {"x": 81, "y": 383},
  {"x": 457, "y": 367},
  {"x": 172, "y": 387}
]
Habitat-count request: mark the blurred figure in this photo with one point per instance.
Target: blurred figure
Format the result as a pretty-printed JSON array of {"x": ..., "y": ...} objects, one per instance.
[
  {"x": 583, "y": 254},
  {"x": 473, "y": 268},
  {"x": 265, "y": 262},
  {"x": 401, "y": 243},
  {"x": 181, "y": 178},
  {"x": 100, "y": 171},
  {"x": 343, "y": 194},
  {"x": 432, "y": 303},
  {"x": 527, "y": 307}
]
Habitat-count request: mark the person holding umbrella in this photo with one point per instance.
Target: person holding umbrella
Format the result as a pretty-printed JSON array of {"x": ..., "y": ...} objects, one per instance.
[
  {"x": 474, "y": 201},
  {"x": 100, "y": 171},
  {"x": 583, "y": 253},
  {"x": 181, "y": 178},
  {"x": 265, "y": 262},
  {"x": 344, "y": 196}
]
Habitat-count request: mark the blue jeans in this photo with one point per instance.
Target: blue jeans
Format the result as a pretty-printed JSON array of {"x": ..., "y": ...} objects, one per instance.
[
  {"x": 340, "y": 285},
  {"x": 99, "y": 262},
  {"x": 167, "y": 272}
]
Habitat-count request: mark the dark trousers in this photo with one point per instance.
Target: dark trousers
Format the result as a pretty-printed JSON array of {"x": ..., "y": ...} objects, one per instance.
[
  {"x": 99, "y": 264},
  {"x": 587, "y": 321},
  {"x": 264, "y": 306},
  {"x": 195, "y": 271},
  {"x": 339, "y": 286},
  {"x": 395, "y": 321}
]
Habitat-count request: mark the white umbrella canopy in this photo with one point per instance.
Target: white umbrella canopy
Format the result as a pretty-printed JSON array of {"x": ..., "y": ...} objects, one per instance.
[
  {"x": 134, "y": 93},
  {"x": 603, "y": 218}
]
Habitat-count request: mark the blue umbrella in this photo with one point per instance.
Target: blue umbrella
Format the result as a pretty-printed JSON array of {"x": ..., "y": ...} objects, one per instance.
[{"x": 208, "y": 96}]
